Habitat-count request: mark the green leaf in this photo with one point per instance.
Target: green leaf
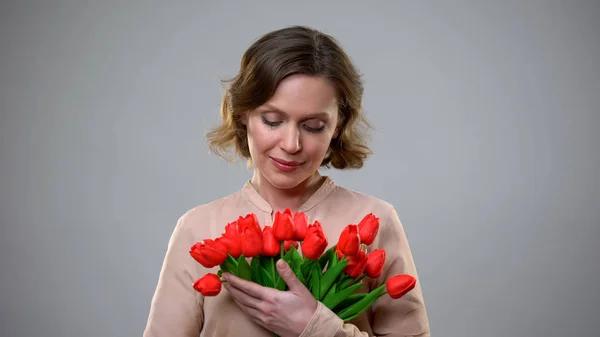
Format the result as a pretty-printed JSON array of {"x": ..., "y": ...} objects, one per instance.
[
  {"x": 280, "y": 285},
  {"x": 230, "y": 266},
  {"x": 288, "y": 255},
  {"x": 348, "y": 301},
  {"x": 296, "y": 264},
  {"x": 307, "y": 266},
  {"x": 220, "y": 273},
  {"x": 244, "y": 268},
  {"x": 268, "y": 264},
  {"x": 296, "y": 258},
  {"x": 255, "y": 270},
  {"x": 326, "y": 257},
  {"x": 331, "y": 292},
  {"x": 333, "y": 259},
  {"x": 266, "y": 278},
  {"x": 334, "y": 298},
  {"x": 345, "y": 281},
  {"x": 330, "y": 275},
  {"x": 357, "y": 308},
  {"x": 315, "y": 281}
]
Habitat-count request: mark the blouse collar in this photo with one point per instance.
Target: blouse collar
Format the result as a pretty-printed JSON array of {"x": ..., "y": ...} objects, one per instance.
[{"x": 320, "y": 194}]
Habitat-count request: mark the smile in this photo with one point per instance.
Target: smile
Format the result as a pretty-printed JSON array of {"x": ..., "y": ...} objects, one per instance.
[{"x": 286, "y": 166}]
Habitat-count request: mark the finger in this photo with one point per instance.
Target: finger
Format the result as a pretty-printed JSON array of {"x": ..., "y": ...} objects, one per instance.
[
  {"x": 242, "y": 298},
  {"x": 287, "y": 274},
  {"x": 254, "y": 314},
  {"x": 255, "y": 290}
]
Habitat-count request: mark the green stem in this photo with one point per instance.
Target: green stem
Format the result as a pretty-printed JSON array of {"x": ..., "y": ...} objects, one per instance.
[
  {"x": 281, "y": 251},
  {"x": 357, "y": 279},
  {"x": 273, "y": 272}
]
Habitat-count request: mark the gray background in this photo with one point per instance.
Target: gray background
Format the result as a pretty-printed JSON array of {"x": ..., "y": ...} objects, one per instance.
[{"x": 486, "y": 141}]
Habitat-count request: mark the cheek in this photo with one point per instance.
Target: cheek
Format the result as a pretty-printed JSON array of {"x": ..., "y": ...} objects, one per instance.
[
  {"x": 316, "y": 146},
  {"x": 260, "y": 137}
]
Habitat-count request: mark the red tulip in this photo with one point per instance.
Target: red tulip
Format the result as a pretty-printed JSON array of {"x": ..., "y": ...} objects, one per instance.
[
  {"x": 349, "y": 241},
  {"x": 232, "y": 229},
  {"x": 283, "y": 225},
  {"x": 315, "y": 242},
  {"x": 209, "y": 253},
  {"x": 249, "y": 221},
  {"x": 375, "y": 262},
  {"x": 251, "y": 242},
  {"x": 300, "y": 226},
  {"x": 233, "y": 243},
  {"x": 356, "y": 265},
  {"x": 399, "y": 285},
  {"x": 271, "y": 246},
  {"x": 368, "y": 228},
  {"x": 208, "y": 285},
  {"x": 288, "y": 243}
]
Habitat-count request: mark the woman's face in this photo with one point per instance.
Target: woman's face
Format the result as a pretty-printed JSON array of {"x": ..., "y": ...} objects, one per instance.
[{"x": 289, "y": 135}]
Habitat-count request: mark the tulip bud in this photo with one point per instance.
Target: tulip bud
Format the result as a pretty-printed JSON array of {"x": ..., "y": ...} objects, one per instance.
[
  {"x": 208, "y": 285},
  {"x": 397, "y": 286},
  {"x": 249, "y": 221},
  {"x": 209, "y": 253},
  {"x": 315, "y": 242},
  {"x": 349, "y": 241},
  {"x": 251, "y": 243},
  {"x": 368, "y": 228},
  {"x": 233, "y": 243},
  {"x": 283, "y": 225},
  {"x": 357, "y": 264},
  {"x": 287, "y": 244},
  {"x": 271, "y": 246},
  {"x": 375, "y": 262},
  {"x": 232, "y": 229},
  {"x": 300, "y": 226}
]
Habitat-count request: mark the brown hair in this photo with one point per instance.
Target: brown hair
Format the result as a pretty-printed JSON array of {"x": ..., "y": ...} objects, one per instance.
[{"x": 276, "y": 55}]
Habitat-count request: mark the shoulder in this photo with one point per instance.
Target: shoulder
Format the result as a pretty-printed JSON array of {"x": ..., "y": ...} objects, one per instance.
[
  {"x": 202, "y": 219},
  {"x": 353, "y": 198},
  {"x": 350, "y": 205}
]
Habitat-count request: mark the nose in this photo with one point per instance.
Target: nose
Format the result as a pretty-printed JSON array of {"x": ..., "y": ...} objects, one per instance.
[{"x": 290, "y": 141}]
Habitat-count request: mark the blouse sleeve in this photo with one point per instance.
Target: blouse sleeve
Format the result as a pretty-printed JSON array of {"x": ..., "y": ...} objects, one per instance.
[
  {"x": 176, "y": 308},
  {"x": 404, "y": 317}
]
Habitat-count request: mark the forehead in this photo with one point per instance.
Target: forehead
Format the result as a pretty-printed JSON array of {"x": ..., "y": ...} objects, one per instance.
[{"x": 301, "y": 95}]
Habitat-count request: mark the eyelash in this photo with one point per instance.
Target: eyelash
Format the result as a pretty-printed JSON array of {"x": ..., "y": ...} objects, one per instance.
[{"x": 308, "y": 128}]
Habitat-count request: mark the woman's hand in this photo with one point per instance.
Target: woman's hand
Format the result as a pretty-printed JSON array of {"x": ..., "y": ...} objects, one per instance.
[{"x": 285, "y": 313}]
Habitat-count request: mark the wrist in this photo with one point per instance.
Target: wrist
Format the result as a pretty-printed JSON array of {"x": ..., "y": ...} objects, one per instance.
[{"x": 323, "y": 322}]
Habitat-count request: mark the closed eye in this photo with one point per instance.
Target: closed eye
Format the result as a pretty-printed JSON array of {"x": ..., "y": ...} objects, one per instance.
[
  {"x": 270, "y": 123},
  {"x": 313, "y": 129}
]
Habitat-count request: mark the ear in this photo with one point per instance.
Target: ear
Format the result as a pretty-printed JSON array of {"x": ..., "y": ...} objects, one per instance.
[
  {"x": 244, "y": 118},
  {"x": 336, "y": 133}
]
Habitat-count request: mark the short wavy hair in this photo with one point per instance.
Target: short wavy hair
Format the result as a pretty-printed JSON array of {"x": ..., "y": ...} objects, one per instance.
[{"x": 270, "y": 59}]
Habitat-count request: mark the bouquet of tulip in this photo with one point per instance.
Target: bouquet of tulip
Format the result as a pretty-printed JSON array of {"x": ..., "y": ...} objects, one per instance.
[{"x": 334, "y": 276}]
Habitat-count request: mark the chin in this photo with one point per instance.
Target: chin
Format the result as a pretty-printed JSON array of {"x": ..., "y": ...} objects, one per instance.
[{"x": 285, "y": 180}]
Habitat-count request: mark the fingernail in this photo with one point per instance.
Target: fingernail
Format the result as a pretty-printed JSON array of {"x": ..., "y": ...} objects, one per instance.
[{"x": 280, "y": 264}]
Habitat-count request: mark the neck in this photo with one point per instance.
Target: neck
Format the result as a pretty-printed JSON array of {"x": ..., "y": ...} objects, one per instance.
[{"x": 292, "y": 198}]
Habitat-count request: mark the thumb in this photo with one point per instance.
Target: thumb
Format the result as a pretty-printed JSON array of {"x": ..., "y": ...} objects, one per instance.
[{"x": 289, "y": 277}]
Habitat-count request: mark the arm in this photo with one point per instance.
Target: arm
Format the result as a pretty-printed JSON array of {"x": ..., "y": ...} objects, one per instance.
[
  {"x": 406, "y": 316},
  {"x": 176, "y": 308}
]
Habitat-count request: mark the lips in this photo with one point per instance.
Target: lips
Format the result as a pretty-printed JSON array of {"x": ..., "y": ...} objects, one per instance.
[
  {"x": 285, "y": 162},
  {"x": 284, "y": 165}
]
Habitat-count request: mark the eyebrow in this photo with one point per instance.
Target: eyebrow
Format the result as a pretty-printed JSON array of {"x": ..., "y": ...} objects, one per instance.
[{"x": 312, "y": 115}]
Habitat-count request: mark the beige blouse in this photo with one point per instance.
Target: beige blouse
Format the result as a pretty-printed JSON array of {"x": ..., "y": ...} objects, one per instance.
[{"x": 177, "y": 310}]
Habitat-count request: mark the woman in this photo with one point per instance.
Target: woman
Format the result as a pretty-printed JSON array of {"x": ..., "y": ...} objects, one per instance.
[{"x": 294, "y": 107}]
